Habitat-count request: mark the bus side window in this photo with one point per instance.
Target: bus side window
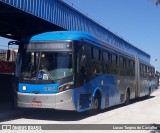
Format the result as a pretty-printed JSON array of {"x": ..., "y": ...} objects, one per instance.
[
  {"x": 124, "y": 63},
  {"x": 127, "y": 63},
  {"x": 132, "y": 67},
  {"x": 114, "y": 59},
  {"x": 106, "y": 57},
  {"x": 141, "y": 70},
  {"x": 127, "y": 67},
  {"x": 145, "y": 72},
  {"x": 95, "y": 54},
  {"x": 153, "y": 71},
  {"x": 96, "y": 60},
  {"x": 106, "y": 62},
  {"x": 84, "y": 63},
  {"x": 149, "y": 71},
  {"x": 114, "y": 64},
  {"x": 121, "y": 66},
  {"x": 121, "y": 61}
]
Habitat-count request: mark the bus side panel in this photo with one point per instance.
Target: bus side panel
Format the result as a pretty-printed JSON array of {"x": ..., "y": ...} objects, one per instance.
[
  {"x": 144, "y": 86},
  {"x": 105, "y": 84},
  {"x": 124, "y": 83}
]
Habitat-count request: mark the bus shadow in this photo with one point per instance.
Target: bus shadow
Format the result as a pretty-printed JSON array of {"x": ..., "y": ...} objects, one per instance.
[
  {"x": 45, "y": 114},
  {"x": 141, "y": 99},
  {"x": 12, "y": 114},
  {"x": 131, "y": 102},
  {"x": 58, "y": 115}
]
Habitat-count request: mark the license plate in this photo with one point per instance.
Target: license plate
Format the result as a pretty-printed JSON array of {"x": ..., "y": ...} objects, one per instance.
[{"x": 36, "y": 103}]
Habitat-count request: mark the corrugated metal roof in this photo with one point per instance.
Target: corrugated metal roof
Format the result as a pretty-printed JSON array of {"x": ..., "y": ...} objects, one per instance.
[{"x": 65, "y": 16}]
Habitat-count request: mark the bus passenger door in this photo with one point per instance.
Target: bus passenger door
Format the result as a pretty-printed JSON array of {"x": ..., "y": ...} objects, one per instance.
[{"x": 137, "y": 77}]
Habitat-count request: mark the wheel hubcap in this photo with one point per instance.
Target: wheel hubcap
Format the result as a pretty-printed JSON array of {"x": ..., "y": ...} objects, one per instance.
[{"x": 96, "y": 104}]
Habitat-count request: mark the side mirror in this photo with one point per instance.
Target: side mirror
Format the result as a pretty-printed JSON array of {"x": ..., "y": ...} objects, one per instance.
[
  {"x": 83, "y": 61},
  {"x": 8, "y": 51},
  {"x": 8, "y": 54}
]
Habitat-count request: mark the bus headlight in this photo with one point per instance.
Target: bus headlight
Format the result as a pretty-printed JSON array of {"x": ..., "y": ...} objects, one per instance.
[
  {"x": 66, "y": 86},
  {"x": 24, "y": 88}
]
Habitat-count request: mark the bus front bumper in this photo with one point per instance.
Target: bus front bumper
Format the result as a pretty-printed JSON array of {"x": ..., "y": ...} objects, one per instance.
[{"x": 60, "y": 101}]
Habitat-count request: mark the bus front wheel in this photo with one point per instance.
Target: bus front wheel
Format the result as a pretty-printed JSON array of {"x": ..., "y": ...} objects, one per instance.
[{"x": 95, "y": 105}]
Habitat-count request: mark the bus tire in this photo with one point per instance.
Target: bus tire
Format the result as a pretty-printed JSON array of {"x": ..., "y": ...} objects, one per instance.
[
  {"x": 96, "y": 104},
  {"x": 127, "y": 98},
  {"x": 149, "y": 93}
]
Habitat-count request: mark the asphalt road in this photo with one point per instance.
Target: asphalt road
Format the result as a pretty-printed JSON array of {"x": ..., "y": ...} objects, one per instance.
[{"x": 142, "y": 111}]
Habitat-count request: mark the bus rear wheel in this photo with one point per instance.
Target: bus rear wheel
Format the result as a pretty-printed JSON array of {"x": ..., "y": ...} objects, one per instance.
[
  {"x": 127, "y": 98},
  {"x": 149, "y": 93}
]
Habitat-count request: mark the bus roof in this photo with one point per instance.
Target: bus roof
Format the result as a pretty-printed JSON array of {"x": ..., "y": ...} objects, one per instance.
[
  {"x": 63, "y": 35},
  {"x": 78, "y": 35}
]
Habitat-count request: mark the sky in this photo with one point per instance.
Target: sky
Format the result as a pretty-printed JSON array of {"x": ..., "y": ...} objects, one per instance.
[{"x": 137, "y": 21}]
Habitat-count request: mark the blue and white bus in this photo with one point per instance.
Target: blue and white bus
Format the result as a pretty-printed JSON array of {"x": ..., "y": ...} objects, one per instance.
[{"x": 69, "y": 70}]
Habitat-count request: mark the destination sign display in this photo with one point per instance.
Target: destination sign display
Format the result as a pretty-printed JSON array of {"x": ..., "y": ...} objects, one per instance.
[{"x": 49, "y": 46}]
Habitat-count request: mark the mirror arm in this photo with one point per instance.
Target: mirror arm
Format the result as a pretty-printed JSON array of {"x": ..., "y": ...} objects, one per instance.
[{"x": 8, "y": 51}]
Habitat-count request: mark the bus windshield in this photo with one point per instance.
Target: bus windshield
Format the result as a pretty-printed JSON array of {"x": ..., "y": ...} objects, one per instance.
[{"x": 47, "y": 65}]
